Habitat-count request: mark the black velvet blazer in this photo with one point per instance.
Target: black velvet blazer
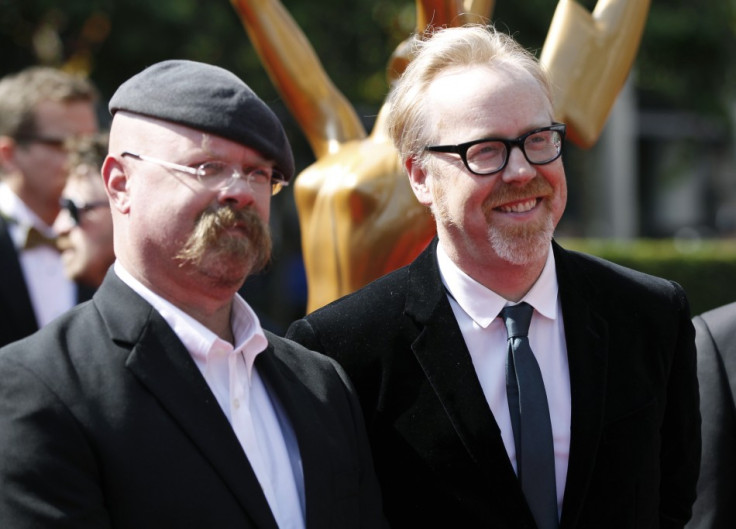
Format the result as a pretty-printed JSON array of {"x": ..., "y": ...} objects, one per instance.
[{"x": 635, "y": 439}]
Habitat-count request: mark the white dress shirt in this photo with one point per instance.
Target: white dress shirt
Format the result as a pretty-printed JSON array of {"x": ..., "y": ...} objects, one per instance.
[
  {"x": 477, "y": 310},
  {"x": 51, "y": 292},
  {"x": 243, "y": 397}
]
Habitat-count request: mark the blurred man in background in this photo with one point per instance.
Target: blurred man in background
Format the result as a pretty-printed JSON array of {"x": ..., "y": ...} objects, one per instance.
[
  {"x": 41, "y": 109},
  {"x": 84, "y": 226}
]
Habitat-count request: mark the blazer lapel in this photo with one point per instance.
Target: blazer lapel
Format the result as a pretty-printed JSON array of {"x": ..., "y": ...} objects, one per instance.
[
  {"x": 586, "y": 334},
  {"x": 162, "y": 364},
  {"x": 720, "y": 323},
  {"x": 441, "y": 351},
  {"x": 729, "y": 361},
  {"x": 297, "y": 402}
]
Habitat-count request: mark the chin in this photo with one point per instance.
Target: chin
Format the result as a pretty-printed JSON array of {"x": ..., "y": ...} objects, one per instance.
[{"x": 524, "y": 246}]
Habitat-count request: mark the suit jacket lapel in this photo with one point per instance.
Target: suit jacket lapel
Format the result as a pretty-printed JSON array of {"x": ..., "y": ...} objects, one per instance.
[
  {"x": 440, "y": 350},
  {"x": 297, "y": 403},
  {"x": 13, "y": 288},
  {"x": 161, "y": 363},
  {"x": 84, "y": 292},
  {"x": 720, "y": 324},
  {"x": 586, "y": 334},
  {"x": 729, "y": 361}
]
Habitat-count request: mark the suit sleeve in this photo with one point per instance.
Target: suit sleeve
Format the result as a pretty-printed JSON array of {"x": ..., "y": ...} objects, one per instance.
[
  {"x": 715, "y": 506},
  {"x": 302, "y": 332},
  {"x": 680, "y": 431},
  {"x": 47, "y": 469}
]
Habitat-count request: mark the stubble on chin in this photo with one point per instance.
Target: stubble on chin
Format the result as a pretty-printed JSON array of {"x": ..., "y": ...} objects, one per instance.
[
  {"x": 522, "y": 244},
  {"x": 227, "y": 245}
]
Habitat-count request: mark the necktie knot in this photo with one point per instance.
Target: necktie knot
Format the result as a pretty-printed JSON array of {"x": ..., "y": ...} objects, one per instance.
[
  {"x": 34, "y": 236},
  {"x": 517, "y": 319}
]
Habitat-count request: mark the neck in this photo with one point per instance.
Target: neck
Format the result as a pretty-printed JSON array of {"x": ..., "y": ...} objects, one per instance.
[
  {"x": 508, "y": 280},
  {"x": 216, "y": 317},
  {"x": 212, "y": 307}
]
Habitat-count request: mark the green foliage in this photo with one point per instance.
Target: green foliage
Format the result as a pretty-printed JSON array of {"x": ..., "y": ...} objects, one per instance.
[
  {"x": 686, "y": 54},
  {"x": 705, "y": 269},
  {"x": 684, "y": 59}
]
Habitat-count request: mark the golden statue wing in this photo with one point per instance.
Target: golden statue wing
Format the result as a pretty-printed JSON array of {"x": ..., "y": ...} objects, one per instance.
[
  {"x": 589, "y": 55},
  {"x": 358, "y": 216},
  {"x": 324, "y": 115}
]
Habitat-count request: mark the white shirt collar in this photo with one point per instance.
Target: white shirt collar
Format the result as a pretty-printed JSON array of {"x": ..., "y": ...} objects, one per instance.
[
  {"x": 12, "y": 207},
  {"x": 483, "y": 305},
  {"x": 201, "y": 342}
]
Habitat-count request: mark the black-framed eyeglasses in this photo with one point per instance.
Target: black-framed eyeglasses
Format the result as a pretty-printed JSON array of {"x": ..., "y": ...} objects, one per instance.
[
  {"x": 77, "y": 210},
  {"x": 219, "y": 175},
  {"x": 490, "y": 155}
]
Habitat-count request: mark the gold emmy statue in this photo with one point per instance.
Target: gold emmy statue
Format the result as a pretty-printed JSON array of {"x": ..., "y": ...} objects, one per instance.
[{"x": 358, "y": 216}]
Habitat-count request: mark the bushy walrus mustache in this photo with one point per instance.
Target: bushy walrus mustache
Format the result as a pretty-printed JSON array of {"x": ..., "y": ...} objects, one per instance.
[{"x": 211, "y": 235}]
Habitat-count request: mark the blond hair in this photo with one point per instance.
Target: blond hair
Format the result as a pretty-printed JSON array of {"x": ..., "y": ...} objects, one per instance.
[
  {"x": 20, "y": 94},
  {"x": 437, "y": 51}
]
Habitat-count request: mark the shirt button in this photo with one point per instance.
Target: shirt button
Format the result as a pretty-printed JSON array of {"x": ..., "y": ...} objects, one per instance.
[{"x": 236, "y": 403}]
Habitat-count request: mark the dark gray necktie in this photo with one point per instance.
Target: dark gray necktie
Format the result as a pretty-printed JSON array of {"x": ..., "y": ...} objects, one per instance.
[{"x": 530, "y": 420}]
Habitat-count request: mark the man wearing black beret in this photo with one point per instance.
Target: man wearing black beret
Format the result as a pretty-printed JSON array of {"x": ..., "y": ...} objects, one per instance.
[{"x": 162, "y": 402}]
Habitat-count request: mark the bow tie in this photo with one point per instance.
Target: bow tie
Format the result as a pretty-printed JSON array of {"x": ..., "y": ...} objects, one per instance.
[{"x": 35, "y": 239}]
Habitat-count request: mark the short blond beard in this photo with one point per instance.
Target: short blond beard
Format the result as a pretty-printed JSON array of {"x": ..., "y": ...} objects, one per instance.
[{"x": 526, "y": 244}]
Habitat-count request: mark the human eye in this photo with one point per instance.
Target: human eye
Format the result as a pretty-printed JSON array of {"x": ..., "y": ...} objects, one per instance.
[
  {"x": 258, "y": 175},
  {"x": 210, "y": 170},
  {"x": 541, "y": 140},
  {"x": 486, "y": 151}
]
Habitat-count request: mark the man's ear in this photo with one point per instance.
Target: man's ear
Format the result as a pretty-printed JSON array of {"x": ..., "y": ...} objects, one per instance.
[
  {"x": 117, "y": 184},
  {"x": 418, "y": 180},
  {"x": 7, "y": 153}
]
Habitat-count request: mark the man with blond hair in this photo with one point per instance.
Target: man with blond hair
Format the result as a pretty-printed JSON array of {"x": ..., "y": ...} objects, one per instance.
[
  {"x": 41, "y": 108},
  {"x": 505, "y": 381}
]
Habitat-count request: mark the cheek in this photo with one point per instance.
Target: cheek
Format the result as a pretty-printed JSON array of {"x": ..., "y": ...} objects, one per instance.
[
  {"x": 48, "y": 165},
  {"x": 79, "y": 242},
  {"x": 55, "y": 161},
  {"x": 99, "y": 238},
  {"x": 559, "y": 183},
  {"x": 263, "y": 208},
  {"x": 159, "y": 215}
]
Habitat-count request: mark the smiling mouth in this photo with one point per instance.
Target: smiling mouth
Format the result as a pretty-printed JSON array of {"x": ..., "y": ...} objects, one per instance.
[{"x": 519, "y": 207}]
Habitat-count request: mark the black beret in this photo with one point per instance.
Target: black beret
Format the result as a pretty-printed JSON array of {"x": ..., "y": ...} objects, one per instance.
[{"x": 210, "y": 99}]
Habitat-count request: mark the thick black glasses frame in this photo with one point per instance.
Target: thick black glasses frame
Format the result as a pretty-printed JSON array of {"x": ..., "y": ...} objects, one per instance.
[
  {"x": 76, "y": 210},
  {"x": 462, "y": 148}
]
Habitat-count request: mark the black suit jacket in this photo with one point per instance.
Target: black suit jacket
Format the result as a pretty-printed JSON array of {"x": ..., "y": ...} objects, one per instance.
[
  {"x": 438, "y": 452},
  {"x": 105, "y": 421},
  {"x": 715, "y": 339},
  {"x": 18, "y": 319}
]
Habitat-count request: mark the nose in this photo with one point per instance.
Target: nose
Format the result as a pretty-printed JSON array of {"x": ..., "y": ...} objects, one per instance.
[
  {"x": 518, "y": 169},
  {"x": 237, "y": 191},
  {"x": 63, "y": 223}
]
